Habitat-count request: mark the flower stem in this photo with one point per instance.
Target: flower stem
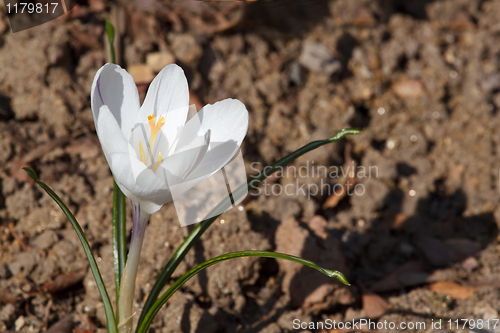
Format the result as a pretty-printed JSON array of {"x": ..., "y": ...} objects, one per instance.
[{"x": 127, "y": 285}]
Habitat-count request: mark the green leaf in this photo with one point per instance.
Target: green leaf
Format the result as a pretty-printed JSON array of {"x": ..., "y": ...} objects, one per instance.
[
  {"x": 148, "y": 317},
  {"x": 108, "y": 309},
  {"x": 119, "y": 236},
  {"x": 200, "y": 228},
  {"x": 110, "y": 31},
  {"x": 342, "y": 133}
]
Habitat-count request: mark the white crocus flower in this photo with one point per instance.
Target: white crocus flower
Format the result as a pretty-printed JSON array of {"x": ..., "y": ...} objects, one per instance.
[
  {"x": 154, "y": 151},
  {"x": 148, "y": 145}
]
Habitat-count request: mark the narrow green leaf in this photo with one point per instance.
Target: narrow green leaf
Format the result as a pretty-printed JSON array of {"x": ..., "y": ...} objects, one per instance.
[
  {"x": 343, "y": 132},
  {"x": 110, "y": 31},
  {"x": 148, "y": 317},
  {"x": 200, "y": 228},
  {"x": 108, "y": 308},
  {"x": 119, "y": 236}
]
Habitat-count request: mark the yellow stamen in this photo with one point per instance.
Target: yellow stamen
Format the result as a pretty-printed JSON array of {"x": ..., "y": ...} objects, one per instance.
[
  {"x": 155, "y": 127},
  {"x": 142, "y": 156},
  {"x": 158, "y": 162}
]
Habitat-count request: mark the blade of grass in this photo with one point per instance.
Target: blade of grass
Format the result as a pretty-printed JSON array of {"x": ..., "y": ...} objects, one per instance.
[
  {"x": 150, "y": 314},
  {"x": 108, "y": 308},
  {"x": 200, "y": 228}
]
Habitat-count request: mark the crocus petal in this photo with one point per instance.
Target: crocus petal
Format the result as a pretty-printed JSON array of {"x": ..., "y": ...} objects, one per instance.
[
  {"x": 227, "y": 121},
  {"x": 135, "y": 180},
  {"x": 109, "y": 133},
  {"x": 140, "y": 135},
  {"x": 175, "y": 168},
  {"x": 167, "y": 96},
  {"x": 148, "y": 189},
  {"x": 114, "y": 87}
]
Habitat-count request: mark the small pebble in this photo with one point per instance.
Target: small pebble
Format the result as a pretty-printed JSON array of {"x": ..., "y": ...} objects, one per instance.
[
  {"x": 19, "y": 323},
  {"x": 318, "y": 58},
  {"x": 8, "y": 312},
  {"x": 141, "y": 73},
  {"x": 470, "y": 264},
  {"x": 406, "y": 248},
  {"x": 157, "y": 60},
  {"x": 381, "y": 111},
  {"x": 408, "y": 88}
]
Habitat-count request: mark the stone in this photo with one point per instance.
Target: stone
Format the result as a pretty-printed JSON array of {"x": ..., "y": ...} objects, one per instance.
[
  {"x": 141, "y": 73},
  {"x": 455, "y": 290},
  {"x": 45, "y": 240},
  {"x": 317, "y": 58},
  {"x": 294, "y": 239},
  {"x": 408, "y": 88},
  {"x": 157, "y": 60}
]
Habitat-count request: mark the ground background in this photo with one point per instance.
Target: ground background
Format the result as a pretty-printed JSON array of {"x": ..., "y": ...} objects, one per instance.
[{"x": 420, "y": 244}]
